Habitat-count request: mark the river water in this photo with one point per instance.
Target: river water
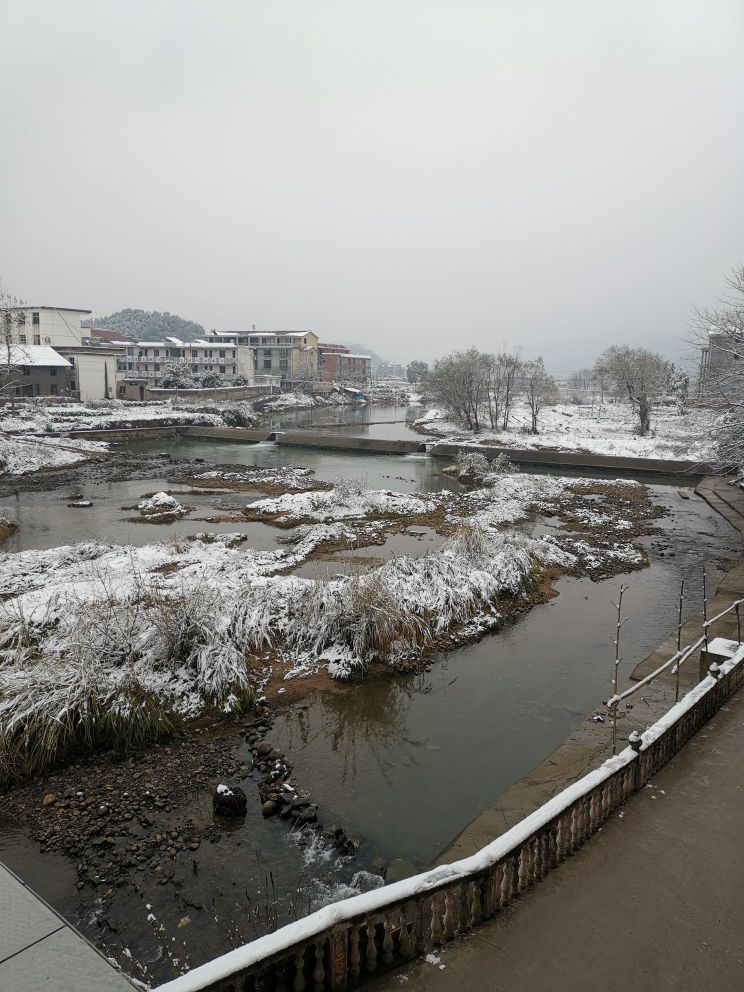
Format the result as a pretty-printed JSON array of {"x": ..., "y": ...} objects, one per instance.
[{"x": 403, "y": 762}]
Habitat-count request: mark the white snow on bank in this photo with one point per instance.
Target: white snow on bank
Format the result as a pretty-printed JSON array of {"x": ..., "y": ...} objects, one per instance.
[
  {"x": 609, "y": 431},
  {"x": 344, "y": 502},
  {"x": 21, "y": 456},
  {"x": 48, "y": 418},
  {"x": 286, "y": 477}
]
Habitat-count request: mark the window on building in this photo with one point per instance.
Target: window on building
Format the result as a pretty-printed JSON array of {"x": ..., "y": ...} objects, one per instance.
[
  {"x": 267, "y": 352},
  {"x": 21, "y": 339},
  {"x": 221, "y": 368},
  {"x": 157, "y": 352},
  {"x": 157, "y": 366},
  {"x": 284, "y": 364},
  {"x": 253, "y": 340},
  {"x": 27, "y": 371},
  {"x": 222, "y": 354},
  {"x": 34, "y": 318},
  {"x": 235, "y": 370},
  {"x": 52, "y": 371},
  {"x": 267, "y": 363},
  {"x": 37, "y": 338}
]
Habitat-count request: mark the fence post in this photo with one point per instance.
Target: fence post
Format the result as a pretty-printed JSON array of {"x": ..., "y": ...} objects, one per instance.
[
  {"x": 679, "y": 636},
  {"x": 616, "y": 667}
]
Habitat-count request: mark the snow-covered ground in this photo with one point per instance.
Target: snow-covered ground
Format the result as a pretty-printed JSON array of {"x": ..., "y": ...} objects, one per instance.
[
  {"x": 21, "y": 456},
  {"x": 343, "y": 502},
  {"x": 48, "y": 418},
  {"x": 609, "y": 430}
]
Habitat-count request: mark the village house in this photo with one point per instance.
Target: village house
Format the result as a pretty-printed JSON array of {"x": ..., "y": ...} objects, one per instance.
[{"x": 88, "y": 369}]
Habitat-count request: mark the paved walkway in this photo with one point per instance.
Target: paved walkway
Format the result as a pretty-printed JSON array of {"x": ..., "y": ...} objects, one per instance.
[
  {"x": 40, "y": 951},
  {"x": 654, "y": 902}
]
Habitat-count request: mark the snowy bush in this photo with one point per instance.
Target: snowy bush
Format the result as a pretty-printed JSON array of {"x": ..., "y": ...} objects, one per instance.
[
  {"x": 112, "y": 671},
  {"x": 393, "y": 611},
  {"x": 472, "y": 466}
]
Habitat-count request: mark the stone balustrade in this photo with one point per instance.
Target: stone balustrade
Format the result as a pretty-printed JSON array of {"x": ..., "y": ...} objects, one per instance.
[{"x": 345, "y": 945}]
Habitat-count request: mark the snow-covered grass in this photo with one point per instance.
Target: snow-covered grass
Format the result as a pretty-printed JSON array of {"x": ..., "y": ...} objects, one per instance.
[
  {"x": 346, "y": 501},
  {"x": 609, "y": 430},
  {"x": 397, "y": 609}
]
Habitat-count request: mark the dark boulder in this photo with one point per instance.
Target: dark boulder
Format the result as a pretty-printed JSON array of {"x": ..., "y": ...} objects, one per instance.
[{"x": 229, "y": 801}]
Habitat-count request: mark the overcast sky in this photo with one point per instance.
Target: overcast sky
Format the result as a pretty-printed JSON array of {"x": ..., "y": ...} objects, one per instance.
[{"x": 414, "y": 176}]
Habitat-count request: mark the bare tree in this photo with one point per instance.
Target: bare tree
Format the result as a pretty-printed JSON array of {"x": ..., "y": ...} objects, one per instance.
[
  {"x": 539, "y": 389},
  {"x": 511, "y": 365},
  {"x": 639, "y": 375},
  {"x": 459, "y": 382},
  {"x": 581, "y": 381},
  {"x": 13, "y": 351},
  {"x": 720, "y": 333}
]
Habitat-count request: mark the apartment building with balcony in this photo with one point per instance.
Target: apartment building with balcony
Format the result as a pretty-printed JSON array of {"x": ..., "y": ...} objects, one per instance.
[
  {"x": 292, "y": 355},
  {"x": 148, "y": 360}
]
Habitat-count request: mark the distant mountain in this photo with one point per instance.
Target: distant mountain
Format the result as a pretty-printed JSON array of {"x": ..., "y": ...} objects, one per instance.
[{"x": 144, "y": 325}]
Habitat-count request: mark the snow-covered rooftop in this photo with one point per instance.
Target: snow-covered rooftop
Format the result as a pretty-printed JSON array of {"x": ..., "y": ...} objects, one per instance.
[{"x": 38, "y": 355}]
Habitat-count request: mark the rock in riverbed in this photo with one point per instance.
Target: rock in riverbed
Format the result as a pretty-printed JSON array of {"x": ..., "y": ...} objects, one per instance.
[{"x": 229, "y": 801}]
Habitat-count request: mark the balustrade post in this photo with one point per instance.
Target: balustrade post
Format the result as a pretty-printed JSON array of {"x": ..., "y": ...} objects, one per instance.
[
  {"x": 319, "y": 968},
  {"x": 474, "y": 915},
  {"x": 406, "y": 950},
  {"x": 355, "y": 960},
  {"x": 508, "y": 882},
  {"x": 387, "y": 941},
  {"x": 436, "y": 920},
  {"x": 370, "y": 954},
  {"x": 448, "y": 920},
  {"x": 299, "y": 979}
]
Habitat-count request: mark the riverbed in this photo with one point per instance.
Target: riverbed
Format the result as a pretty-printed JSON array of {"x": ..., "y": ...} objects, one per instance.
[{"x": 402, "y": 762}]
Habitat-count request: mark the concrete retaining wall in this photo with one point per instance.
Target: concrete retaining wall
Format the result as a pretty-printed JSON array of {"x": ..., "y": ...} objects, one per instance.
[
  {"x": 239, "y": 435},
  {"x": 579, "y": 460},
  {"x": 343, "y": 442}
]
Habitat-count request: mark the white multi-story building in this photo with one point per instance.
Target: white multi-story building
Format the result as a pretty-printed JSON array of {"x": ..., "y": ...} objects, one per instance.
[
  {"x": 92, "y": 368},
  {"x": 292, "y": 355},
  {"x": 53, "y": 326},
  {"x": 149, "y": 359}
]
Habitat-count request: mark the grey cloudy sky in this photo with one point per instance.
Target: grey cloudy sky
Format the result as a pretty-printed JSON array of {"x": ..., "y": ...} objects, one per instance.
[{"x": 415, "y": 176}]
